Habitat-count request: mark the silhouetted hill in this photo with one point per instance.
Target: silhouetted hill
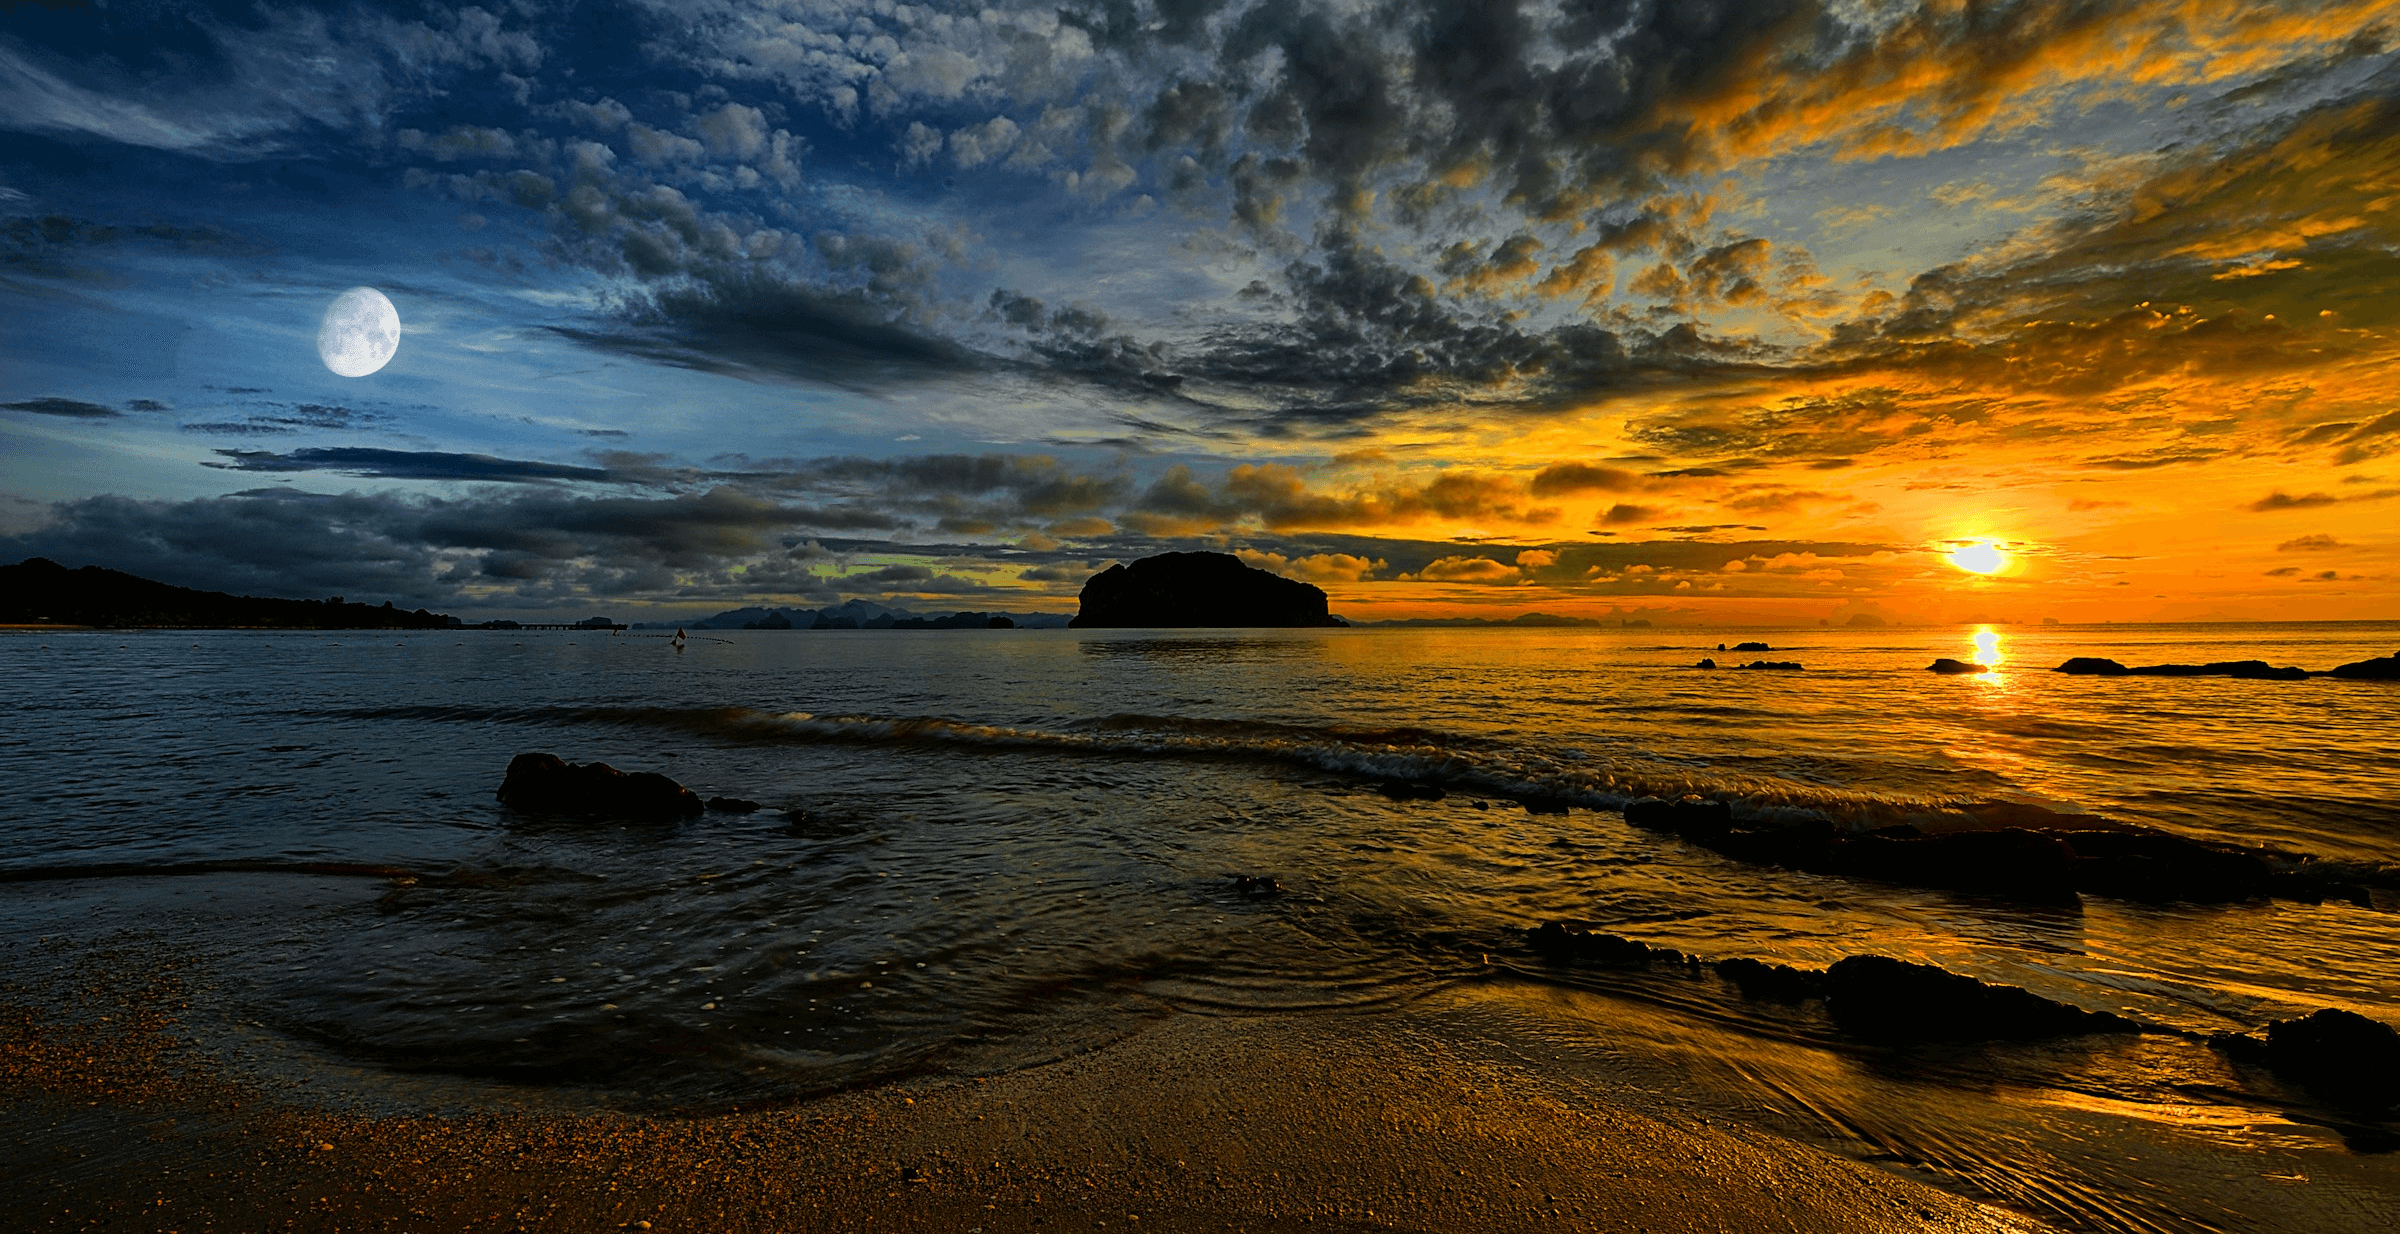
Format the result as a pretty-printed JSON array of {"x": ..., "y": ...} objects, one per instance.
[
  {"x": 40, "y": 590},
  {"x": 1199, "y": 589}
]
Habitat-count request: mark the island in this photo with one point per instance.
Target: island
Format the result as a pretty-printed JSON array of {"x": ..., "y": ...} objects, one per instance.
[
  {"x": 40, "y": 592},
  {"x": 1198, "y": 589}
]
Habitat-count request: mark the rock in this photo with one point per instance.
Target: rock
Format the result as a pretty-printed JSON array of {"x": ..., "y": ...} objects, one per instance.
[
  {"x": 1947, "y": 665},
  {"x": 2342, "y": 1057},
  {"x": 2380, "y": 669},
  {"x": 2011, "y": 862},
  {"x": 1405, "y": 791},
  {"x": 1198, "y": 589},
  {"x": 1689, "y": 816},
  {"x": 1886, "y": 1000},
  {"x": 734, "y": 806},
  {"x": 1706, "y": 662},
  {"x": 1721, "y": 647},
  {"x": 1256, "y": 885},
  {"x": 1001, "y": 621},
  {"x": 1573, "y": 942},
  {"x": 1543, "y": 804},
  {"x": 2257, "y": 669},
  {"x": 1762, "y": 980},
  {"x": 1770, "y": 664},
  {"x": 1751, "y": 647},
  {"x": 544, "y": 784},
  {"x": 2156, "y": 866}
]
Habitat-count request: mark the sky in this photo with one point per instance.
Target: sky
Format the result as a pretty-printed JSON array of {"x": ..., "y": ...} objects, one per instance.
[{"x": 1695, "y": 311}]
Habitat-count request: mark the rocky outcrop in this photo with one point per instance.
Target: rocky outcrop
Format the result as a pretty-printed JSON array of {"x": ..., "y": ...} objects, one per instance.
[
  {"x": 2019, "y": 862},
  {"x": 1770, "y": 664},
  {"x": 1198, "y": 589},
  {"x": 2342, "y": 1057},
  {"x": 2380, "y": 669},
  {"x": 1765, "y": 980},
  {"x": 544, "y": 784},
  {"x": 1887, "y": 1000},
  {"x": 1872, "y": 997},
  {"x": 2258, "y": 670},
  {"x": 1566, "y": 942},
  {"x": 1947, "y": 665}
]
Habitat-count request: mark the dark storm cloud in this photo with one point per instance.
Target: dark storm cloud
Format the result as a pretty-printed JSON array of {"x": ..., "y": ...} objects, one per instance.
[
  {"x": 750, "y": 325},
  {"x": 74, "y": 409},
  {"x": 403, "y": 465}
]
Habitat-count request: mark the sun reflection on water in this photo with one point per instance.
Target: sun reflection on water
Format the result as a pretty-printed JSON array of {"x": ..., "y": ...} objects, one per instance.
[{"x": 1987, "y": 647}]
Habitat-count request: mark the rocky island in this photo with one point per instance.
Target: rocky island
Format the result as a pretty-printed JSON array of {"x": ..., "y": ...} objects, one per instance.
[{"x": 1199, "y": 589}]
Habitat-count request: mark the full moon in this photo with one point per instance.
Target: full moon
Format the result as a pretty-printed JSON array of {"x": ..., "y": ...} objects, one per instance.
[
  {"x": 1980, "y": 557},
  {"x": 360, "y": 333}
]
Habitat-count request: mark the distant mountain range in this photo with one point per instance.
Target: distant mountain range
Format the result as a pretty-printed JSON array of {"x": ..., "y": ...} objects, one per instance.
[
  {"x": 38, "y": 591},
  {"x": 855, "y": 615}
]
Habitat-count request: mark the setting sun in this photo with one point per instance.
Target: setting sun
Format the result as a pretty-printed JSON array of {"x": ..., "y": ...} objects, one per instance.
[{"x": 1980, "y": 557}]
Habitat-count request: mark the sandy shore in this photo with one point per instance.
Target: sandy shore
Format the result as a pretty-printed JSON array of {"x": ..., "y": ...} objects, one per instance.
[{"x": 1321, "y": 1122}]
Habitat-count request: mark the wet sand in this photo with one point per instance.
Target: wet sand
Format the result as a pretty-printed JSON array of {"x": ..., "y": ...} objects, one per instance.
[{"x": 1360, "y": 1121}]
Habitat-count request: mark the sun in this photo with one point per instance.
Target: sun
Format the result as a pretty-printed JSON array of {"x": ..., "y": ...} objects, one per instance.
[{"x": 1979, "y": 557}]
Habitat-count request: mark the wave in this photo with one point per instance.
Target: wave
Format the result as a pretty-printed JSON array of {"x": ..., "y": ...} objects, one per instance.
[{"x": 1560, "y": 776}]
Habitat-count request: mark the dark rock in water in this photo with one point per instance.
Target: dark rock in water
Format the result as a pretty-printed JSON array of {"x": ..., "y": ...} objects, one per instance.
[
  {"x": 1198, "y": 589},
  {"x": 1405, "y": 791},
  {"x": 2254, "y": 669},
  {"x": 2157, "y": 866},
  {"x": 547, "y": 785},
  {"x": 1542, "y": 804},
  {"x": 1689, "y": 816},
  {"x": 2091, "y": 665},
  {"x": 2380, "y": 669},
  {"x": 1566, "y": 941},
  {"x": 734, "y": 806},
  {"x": 2339, "y": 1056},
  {"x": 1781, "y": 983},
  {"x": 2012, "y": 862},
  {"x": 1770, "y": 664},
  {"x": 1256, "y": 885},
  {"x": 1706, "y": 662},
  {"x": 1721, "y": 647},
  {"x": 799, "y": 815},
  {"x": 1886, "y": 1000},
  {"x": 1752, "y": 647},
  {"x": 1947, "y": 665}
]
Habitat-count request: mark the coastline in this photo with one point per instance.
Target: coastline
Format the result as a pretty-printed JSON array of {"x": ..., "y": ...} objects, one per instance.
[{"x": 127, "y": 1116}]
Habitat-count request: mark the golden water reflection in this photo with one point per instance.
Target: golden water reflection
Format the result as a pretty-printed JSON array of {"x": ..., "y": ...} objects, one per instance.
[{"x": 1987, "y": 647}]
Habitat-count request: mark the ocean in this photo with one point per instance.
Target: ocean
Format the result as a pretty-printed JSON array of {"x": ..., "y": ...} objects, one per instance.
[{"x": 987, "y": 849}]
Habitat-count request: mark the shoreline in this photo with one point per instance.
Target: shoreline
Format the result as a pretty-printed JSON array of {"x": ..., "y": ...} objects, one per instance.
[{"x": 122, "y": 1119}]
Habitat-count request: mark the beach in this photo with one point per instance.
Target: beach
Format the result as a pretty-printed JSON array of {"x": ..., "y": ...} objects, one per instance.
[{"x": 120, "y": 1121}]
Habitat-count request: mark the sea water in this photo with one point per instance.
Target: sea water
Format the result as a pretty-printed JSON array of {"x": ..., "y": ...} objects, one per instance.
[{"x": 982, "y": 849}]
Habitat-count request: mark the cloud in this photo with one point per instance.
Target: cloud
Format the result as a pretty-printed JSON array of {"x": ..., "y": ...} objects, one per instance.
[
  {"x": 2309, "y": 543},
  {"x": 2279, "y": 500},
  {"x": 1463, "y": 570},
  {"x": 74, "y": 409},
  {"x": 403, "y": 465}
]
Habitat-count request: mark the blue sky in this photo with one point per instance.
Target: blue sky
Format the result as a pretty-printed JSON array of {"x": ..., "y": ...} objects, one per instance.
[{"x": 1699, "y": 311}]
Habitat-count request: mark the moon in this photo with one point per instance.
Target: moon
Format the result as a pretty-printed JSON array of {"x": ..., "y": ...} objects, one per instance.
[{"x": 360, "y": 334}]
